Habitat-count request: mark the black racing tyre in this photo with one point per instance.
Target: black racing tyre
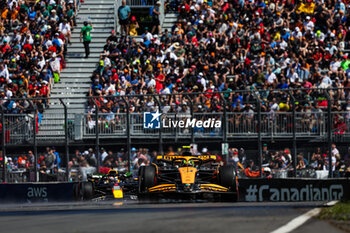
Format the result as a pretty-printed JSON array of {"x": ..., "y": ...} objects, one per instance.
[
  {"x": 141, "y": 174},
  {"x": 87, "y": 190},
  {"x": 147, "y": 177},
  {"x": 227, "y": 177},
  {"x": 76, "y": 192}
]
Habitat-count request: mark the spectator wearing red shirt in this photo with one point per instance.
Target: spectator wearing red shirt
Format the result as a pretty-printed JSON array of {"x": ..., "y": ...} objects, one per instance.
[
  {"x": 160, "y": 78},
  {"x": 27, "y": 47},
  {"x": 5, "y": 47},
  {"x": 318, "y": 55}
]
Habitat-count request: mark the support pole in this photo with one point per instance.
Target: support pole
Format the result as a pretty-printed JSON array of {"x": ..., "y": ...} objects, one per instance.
[
  {"x": 3, "y": 144},
  {"x": 97, "y": 135},
  {"x": 329, "y": 134},
  {"x": 224, "y": 121},
  {"x": 66, "y": 138},
  {"x": 128, "y": 140},
  {"x": 35, "y": 146},
  {"x": 160, "y": 130},
  {"x": 294, "y": 136},
  {"x": 259, "y": 131},
  {"x": 192, "y": 116}
]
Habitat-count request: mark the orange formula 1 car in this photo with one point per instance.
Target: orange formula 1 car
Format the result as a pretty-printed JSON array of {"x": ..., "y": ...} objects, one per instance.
[{"x": 189, "y": 177}]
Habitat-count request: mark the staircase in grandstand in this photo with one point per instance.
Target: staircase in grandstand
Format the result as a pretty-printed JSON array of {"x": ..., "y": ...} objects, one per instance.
[
  {"x": 169, "y": 21},
  {"x": 76, "y": 77}
]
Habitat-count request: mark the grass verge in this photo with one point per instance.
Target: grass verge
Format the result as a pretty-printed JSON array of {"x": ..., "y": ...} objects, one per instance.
[{"x": 338, "y": 215}]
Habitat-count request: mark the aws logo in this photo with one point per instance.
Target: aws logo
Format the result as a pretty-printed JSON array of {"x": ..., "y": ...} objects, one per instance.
[{"x": 37, "y": 192}]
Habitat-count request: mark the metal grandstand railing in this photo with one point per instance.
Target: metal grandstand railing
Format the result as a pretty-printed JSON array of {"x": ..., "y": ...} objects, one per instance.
[
  {"x": 139, "y": 4},
  {"x": 239, "y": 125},
  {"x": 134, "y": 3},
  {"x": 256, "y": 124},
  {"x": 252, "y": 123},
  {"x": 18, "y": 128}
]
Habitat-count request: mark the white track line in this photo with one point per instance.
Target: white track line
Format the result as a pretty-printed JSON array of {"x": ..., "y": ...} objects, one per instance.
[
  {"x": 331, "y": 203},
  {"x": 298, "y": 221}
]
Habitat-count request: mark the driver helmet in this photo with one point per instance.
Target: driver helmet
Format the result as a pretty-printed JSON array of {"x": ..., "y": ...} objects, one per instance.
[
  {"x": 188, "y": 163},
  {"x": 112, "y": 172}
]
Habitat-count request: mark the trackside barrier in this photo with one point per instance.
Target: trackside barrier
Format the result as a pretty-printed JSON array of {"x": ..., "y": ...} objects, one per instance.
[
  {"x": 250, "y": 190},
  {"x": 260, "y": 190},
  {"x": 37, "y": 192}
]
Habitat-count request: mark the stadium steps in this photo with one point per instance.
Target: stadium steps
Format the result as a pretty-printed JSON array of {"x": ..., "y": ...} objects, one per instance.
[
  {"x": 169, "y": 20},
  {"x": 75, "y": 79}
]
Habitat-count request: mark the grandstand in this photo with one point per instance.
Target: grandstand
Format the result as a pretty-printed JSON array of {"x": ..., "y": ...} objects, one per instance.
[{"x": 267, "y": 71}]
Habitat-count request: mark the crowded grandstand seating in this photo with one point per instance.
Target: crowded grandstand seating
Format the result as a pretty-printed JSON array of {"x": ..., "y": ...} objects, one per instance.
[
  {"x": 33, "y": 44},
  {"x": 221, "y": 56},
  {"x": 225, "y": 46}
]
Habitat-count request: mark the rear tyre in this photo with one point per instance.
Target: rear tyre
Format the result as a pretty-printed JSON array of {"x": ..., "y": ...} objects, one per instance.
[
  {"x": 76, "y": 192},
  {"x": 87, "y": 190},
  {"x": 227, "y": 178},
  {"x": 147, "y": 178}
]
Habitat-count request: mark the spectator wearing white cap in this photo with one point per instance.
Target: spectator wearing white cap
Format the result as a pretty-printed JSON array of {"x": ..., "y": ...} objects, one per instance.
[
  {"x": 309, "y": 24},
  {"x": 65, "y": 28},
  {"x": 297, "y": 33}
]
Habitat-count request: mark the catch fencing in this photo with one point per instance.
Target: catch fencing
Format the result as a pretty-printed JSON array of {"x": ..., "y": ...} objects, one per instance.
[{"x": 68, "y": 125}]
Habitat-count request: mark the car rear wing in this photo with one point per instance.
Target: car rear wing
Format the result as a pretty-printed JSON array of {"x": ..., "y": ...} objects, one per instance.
[{"x": 172, "y": 157}]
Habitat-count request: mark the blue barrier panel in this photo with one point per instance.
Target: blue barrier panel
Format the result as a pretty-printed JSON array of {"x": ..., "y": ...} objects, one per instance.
[
  {"x": 253, "y": 190},
  {"x": 35, "y": 192}
]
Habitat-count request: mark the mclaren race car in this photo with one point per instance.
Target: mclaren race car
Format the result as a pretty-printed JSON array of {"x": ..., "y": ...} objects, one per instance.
[
  {"x": 112, "y": 185},
  {"x": 188, "y": 177}
]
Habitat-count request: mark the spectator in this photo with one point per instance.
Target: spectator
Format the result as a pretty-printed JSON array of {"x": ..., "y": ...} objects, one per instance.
[
  {"x": 335, "y": 151},
  {"x": 35, "y": 52},
  {"x": 57, "y": 161},
  {"x": 87, "y": 165},
  {"x": 49, "y": 159},
  {"x": 85, "y": 34},
  {"x": 22, "y": 161},
  {"x": 155, "y": 17},
  {"x": 171, "y": 151},
  {"x": 316, "y": 160},
  {"x": 300, "y": 162},
  {"x": 31, "y": 160},
  {"x": 326, "y": 161},
  {"x": 91, "y": 158},
  {"x": 104, "y": 154},
  {"x": 134, "y": 25},
  {"x": 123, "y": 15}
]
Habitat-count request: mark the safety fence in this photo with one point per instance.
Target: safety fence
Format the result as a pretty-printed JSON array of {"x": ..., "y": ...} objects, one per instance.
[
  {"x": 23, "y": 175},
  {"x": 326, "y": 122},
  {"x": 133, "y": 3},
  {"x": 144, "y": 4},
  {"x": 20, "y": 128},
  {"x": 274, "y": 125},
  {"x": 68, "y": 123}
]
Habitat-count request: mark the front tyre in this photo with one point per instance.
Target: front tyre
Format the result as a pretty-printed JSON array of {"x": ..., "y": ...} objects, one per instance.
[{"x": 147, "y": 178}]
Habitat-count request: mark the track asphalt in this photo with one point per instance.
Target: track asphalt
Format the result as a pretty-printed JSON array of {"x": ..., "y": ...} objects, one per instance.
[{"x": 133, "y": 217}]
